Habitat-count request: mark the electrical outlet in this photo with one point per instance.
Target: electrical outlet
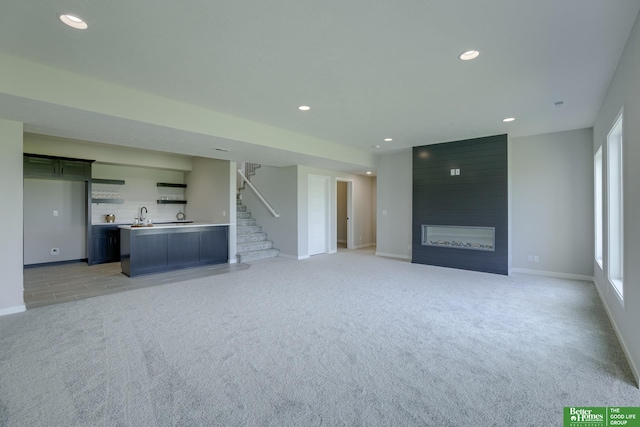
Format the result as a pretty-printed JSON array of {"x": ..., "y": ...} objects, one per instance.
[
  {"x": 224, "y": 213},
  {"x": 55, "y": 213},
  {"x": 530, "y": 258},
  {"x": 55, "y": 251},
  {"x": 536, "y": 258}
]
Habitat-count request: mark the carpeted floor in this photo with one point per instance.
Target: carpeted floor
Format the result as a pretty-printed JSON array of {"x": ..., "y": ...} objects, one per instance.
[{"x": 337, "y": 340}]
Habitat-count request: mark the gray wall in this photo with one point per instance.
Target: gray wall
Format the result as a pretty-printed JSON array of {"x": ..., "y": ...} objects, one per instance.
[
  {"x": 279, "y": 187},
  {"x": 44, "y": 231},
  {"x": 552, "y": 202},
  {"x": 624, "y": 91},
  {"x": 11, "y": 285},
  {"x": 207, "y": 192},
  {"x": 394, "y": 204}
]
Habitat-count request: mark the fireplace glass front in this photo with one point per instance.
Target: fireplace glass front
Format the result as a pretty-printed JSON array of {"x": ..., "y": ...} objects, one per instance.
[{"x": 459, "y": 237}]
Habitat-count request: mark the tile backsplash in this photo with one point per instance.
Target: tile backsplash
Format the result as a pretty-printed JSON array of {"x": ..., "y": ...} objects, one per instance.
[{"x": 140, "y": 189}]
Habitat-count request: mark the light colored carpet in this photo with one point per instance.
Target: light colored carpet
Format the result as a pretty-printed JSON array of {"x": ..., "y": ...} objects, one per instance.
[{"x": 337, "y": 340}]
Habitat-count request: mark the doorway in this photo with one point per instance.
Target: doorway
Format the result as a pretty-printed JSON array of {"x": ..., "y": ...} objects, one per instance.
[{"x": 344, "y": 213}]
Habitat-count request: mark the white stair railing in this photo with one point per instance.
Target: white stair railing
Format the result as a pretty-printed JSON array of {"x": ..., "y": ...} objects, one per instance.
[{"x": 257, "y": 193}]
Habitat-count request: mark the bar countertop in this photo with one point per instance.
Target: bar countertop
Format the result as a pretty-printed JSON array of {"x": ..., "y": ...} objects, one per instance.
[{"x": 173, "y": 225}]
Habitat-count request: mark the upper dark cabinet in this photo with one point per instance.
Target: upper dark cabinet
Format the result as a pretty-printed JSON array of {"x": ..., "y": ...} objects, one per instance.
[{"x": 36, "y": 166}]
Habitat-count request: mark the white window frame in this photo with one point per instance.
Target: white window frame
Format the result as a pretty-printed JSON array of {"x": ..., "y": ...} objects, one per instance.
[
  {"x": 614, "y": 264},
  {"x": 598, "y": 206}
]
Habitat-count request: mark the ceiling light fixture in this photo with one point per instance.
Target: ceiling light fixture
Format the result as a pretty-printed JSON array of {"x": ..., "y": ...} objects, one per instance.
[
  {"x": 388, "y": 139},
  {"x": 469, "y": 55},
  {"x": 73, "y": 21},
  {"x": 304, "y": 108},
  {"x": 368, "y": 172},
  {"x": 508, "y": 119}
]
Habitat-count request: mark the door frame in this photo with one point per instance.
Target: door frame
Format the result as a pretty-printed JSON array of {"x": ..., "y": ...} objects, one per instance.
[{"x": 334, "y": 237}]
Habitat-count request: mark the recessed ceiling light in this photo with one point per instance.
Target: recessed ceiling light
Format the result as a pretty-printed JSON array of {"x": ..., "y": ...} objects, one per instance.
[
  {"x": 73, "y": 21},
  {"x": 376, "y": 146},
  {"x": 469, "y": 55},
  {"x": 304, "y": 108},
  {"x": 508, "y": 119},
  {"x": 368, "y": 172},
  {"x": 388, "y": 139}
]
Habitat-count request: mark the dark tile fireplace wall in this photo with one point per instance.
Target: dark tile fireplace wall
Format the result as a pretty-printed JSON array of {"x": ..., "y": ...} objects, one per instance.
[{"x": 478, "y": 196}]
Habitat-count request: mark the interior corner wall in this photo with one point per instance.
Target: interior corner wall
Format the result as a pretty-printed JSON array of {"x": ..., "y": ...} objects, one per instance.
[
  {"x": 624, "y": 91},
  {"x": 12, "y": 283},
  {"x": 394, "y": 204},
  {"x": 552, "y": 202}
]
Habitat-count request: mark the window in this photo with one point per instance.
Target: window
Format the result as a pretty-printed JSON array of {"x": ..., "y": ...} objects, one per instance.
[
  {"x": 597, "y": 176},
  {"x": 615, "y": 223}
]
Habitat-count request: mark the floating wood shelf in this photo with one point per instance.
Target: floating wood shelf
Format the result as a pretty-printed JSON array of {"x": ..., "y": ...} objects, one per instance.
[
  {"x": 107, "y": 181},
  {"x": 167, "y": 184},
  {"x": 112, "y": 201}
]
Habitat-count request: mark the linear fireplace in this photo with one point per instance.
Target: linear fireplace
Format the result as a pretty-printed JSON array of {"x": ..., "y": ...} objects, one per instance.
[
  {"x": 461, "y": 219},
  {"x": 459, "y": 237}
]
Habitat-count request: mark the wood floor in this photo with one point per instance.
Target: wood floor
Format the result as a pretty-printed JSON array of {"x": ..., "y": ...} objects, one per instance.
[{"x": 71, "y": 282}]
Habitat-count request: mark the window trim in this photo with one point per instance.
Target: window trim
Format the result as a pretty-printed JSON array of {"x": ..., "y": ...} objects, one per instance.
[
  {"x": 598, "y": 169},
  {"x": 615, "y": 214}
]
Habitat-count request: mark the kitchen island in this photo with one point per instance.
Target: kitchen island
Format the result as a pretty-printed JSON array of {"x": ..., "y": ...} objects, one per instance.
[{"x": 165, "y": 247}]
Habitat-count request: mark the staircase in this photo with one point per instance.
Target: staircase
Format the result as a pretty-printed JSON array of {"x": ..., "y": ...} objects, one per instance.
[{"x": 252, "y": 243}]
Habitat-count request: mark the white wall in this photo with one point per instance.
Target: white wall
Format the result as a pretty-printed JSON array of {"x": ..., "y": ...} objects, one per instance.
[
  {"x": 11, "y": 285},
  {"x": 624, "y": 91},
  {"x": 394, "y": 204},
  {"x": 140, "y": 189},
  {"x": 43, "y": 231},
  {"x": 552, "y": 203}
]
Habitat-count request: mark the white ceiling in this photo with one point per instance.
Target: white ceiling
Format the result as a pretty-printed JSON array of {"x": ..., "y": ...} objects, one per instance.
[{"x": 368, "y": 68}]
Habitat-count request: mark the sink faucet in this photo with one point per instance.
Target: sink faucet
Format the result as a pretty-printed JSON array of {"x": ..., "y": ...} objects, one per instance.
[{"x": 143, "y": 219}]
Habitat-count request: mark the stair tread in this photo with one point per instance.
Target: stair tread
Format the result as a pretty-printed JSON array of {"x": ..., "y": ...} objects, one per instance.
[{"x": 271, "y": 250}]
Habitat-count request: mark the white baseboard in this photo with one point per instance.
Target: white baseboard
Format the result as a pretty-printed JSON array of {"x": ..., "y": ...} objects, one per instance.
[
  {"x": 285, "y": 256},
  {"x": 333, "y": 252},
  {"x": 366, "y": 245},
  {"x": 553, "y": 274},
  {"x": 12, "y": 310},
  {"x": 388, "y": 255},
  {"x": 342, "y": 241},
  {"x": 634, "y": 369},
  {"x": 233, "y": 261}
]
